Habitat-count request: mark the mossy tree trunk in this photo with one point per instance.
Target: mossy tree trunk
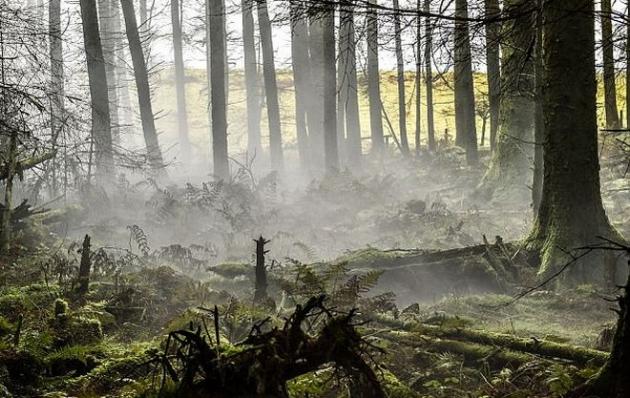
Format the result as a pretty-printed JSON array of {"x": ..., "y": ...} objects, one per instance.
[
  {"x": 571, "y": 213},
  {"x": 509, "y": 176},
  {"x": 466, "y": 130}
]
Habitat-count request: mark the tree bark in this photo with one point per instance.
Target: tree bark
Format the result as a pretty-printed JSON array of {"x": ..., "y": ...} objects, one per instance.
[
  {"x": 571, "y": 213},
  {"x": 331, "y": 154},
  {"x": 373, "y": 78},
  {"x": 316, "y": 108},
  {"x": 106, "y": 25},
  {"x": 101, "y": 123},
  {"x": 180, "y": 79},
  {"x": 271, "y": 87},
  {"x": 11, "y": 167},
  {"x": 301, "y": 77},
  {"x": 351, "y": 95},
  {"x": 610, "y": 89},
  {"x": 628, "y": 71},
  {"x": 493, "y": 37},
  {"x": 400, "y": 69},
  {"x": 57, "y": 86},
  {"x": 219, "y": 103},
  {"x": 252, "y": 89},
  {"x": 154, "y": 153},
  {"x": 509, "y": 176},
  {"x": 539, "y": 122},
  {"x": 418, "y": 82},
  {"x": 465, "y": 128},
  {"x": 428, "y": 76}
]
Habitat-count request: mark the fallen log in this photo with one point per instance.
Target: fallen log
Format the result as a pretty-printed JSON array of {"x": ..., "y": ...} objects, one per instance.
[{"x": 541, "y": 348}]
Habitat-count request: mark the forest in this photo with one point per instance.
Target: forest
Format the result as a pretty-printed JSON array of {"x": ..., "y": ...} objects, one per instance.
[{"x": 315, "y": 198}]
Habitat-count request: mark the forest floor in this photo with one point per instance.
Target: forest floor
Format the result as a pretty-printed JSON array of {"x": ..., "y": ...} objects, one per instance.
[{"x": 437, "y": 279}]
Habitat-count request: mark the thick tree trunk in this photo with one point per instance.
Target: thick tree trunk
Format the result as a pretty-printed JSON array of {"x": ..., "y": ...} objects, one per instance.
[
  {"x": 373, "y": 78},
  {"x": 271, "y": 87},
  {"x": 610, "y": 89},
  {"x": 106, "y": 25},
  {"x": 493, "y": 38},
  {"x": 509, "y": 176},
  {"x": 418, "y": 81},
  {"x": 539, "y": 122},
  {"x": 465, "y": 128},
  {"x": 571, "y": 213},
  {"x": 101, "y": 123},
  {"x": 331, "y": 154},
  {"x": 400, "y": 69},
  {"x": 180, "y": 79},
  {"x": 351, "y": 95},
  {"x": 428, "y": 76},
  {"x": 219, "y": 103},
  {"x": 301, "y": 77},
  {"x": 252, "y": 89},
  {"x": 154, "y": 153}
]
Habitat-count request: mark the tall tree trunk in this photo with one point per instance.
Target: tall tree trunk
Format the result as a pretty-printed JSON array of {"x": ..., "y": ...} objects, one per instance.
[
  {"x": 11, "y": 165},
  {"x": 271, "y": 87},
  {"x": 142, "y": 84},
  {"x": 628, "y": 70},
  {"x": 219, "y": 103},
  {"x": 301, "y": 77},
  {"x": 571, "y": 213},
  {"x": 539, "y": 123},
  {"x": 418, "y": 81},
  {"x": 400, "y": 68},
  {"x": 342, "y": 91},
  {"x": 106, "y": 25},
  {"x": 101, "y": 123},
  {"x": 331, "y": 154},
  {"x": 125, "y": 114},
  {"x": 316, "y": 107},
  {"x": 57, "y": 86},
  {"x": 351, "y": 105},
  {"x": 466, "y": 132},
  {"x": 428, "y": 52},
  {"x": 144, "y": 14},
  {"x": 373, "y": 79},
  {"x": 610, "y": 89},
  {"x": 180, "y": 79},
  {"x": 252, "y": 89},
  {"x": 493, "y": 30},
  {"x": 508, "y": 178}
]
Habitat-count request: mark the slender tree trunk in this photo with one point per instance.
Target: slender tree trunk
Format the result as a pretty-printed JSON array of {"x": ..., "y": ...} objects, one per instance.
[
  {"x": 254, "y": 146},
  {"x": 465, "y": 128},
  {"x": 101, "y": 123},
  {"x": 316, "y": 108},
  {"x": 353, "y": 124},
  {"x": 219, "y": 103},
  {"x": 373, "y": 78},
  {"x": 180, "y": 79},
  {"x": 610, "y": 89},
  {"x": 493, "y": 31},
  {"x": 539, "y": 123},
  {"x": 428, "y": 51},
  {"x": 628, "y": 70},
  {"x": 301, "y": 77},
  {"x": 331, "y": 154},
  {"x": 271, "y": 87},
  {"x": 418, "y": 78},
  {"x": 142, "y": 83},
  {"x": 509, "y": 176},
  {"x": 144, "y": 14},
  {"x": 342, "y": 90},
  {"x": 400, "y": 68},
  {"x": 57, "y": 86},
  {"x": 571, "y": 213},
  {"x": 106, "y": 25},
  {"x": 5, "y": 221},
  {"x": 125, "y": 114}
]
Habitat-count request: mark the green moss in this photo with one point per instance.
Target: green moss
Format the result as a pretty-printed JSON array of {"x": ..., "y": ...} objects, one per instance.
[
  {"x": 366, "y": 258},
  {"x": 233, "y": 270}
]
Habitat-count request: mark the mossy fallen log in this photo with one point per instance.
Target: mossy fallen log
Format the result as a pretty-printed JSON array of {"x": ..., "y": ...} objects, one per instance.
[{"x": 546, "y": 349}]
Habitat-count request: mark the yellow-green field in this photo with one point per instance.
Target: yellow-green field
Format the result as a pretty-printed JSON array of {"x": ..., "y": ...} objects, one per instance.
[{"x": 165, "y": 102}]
